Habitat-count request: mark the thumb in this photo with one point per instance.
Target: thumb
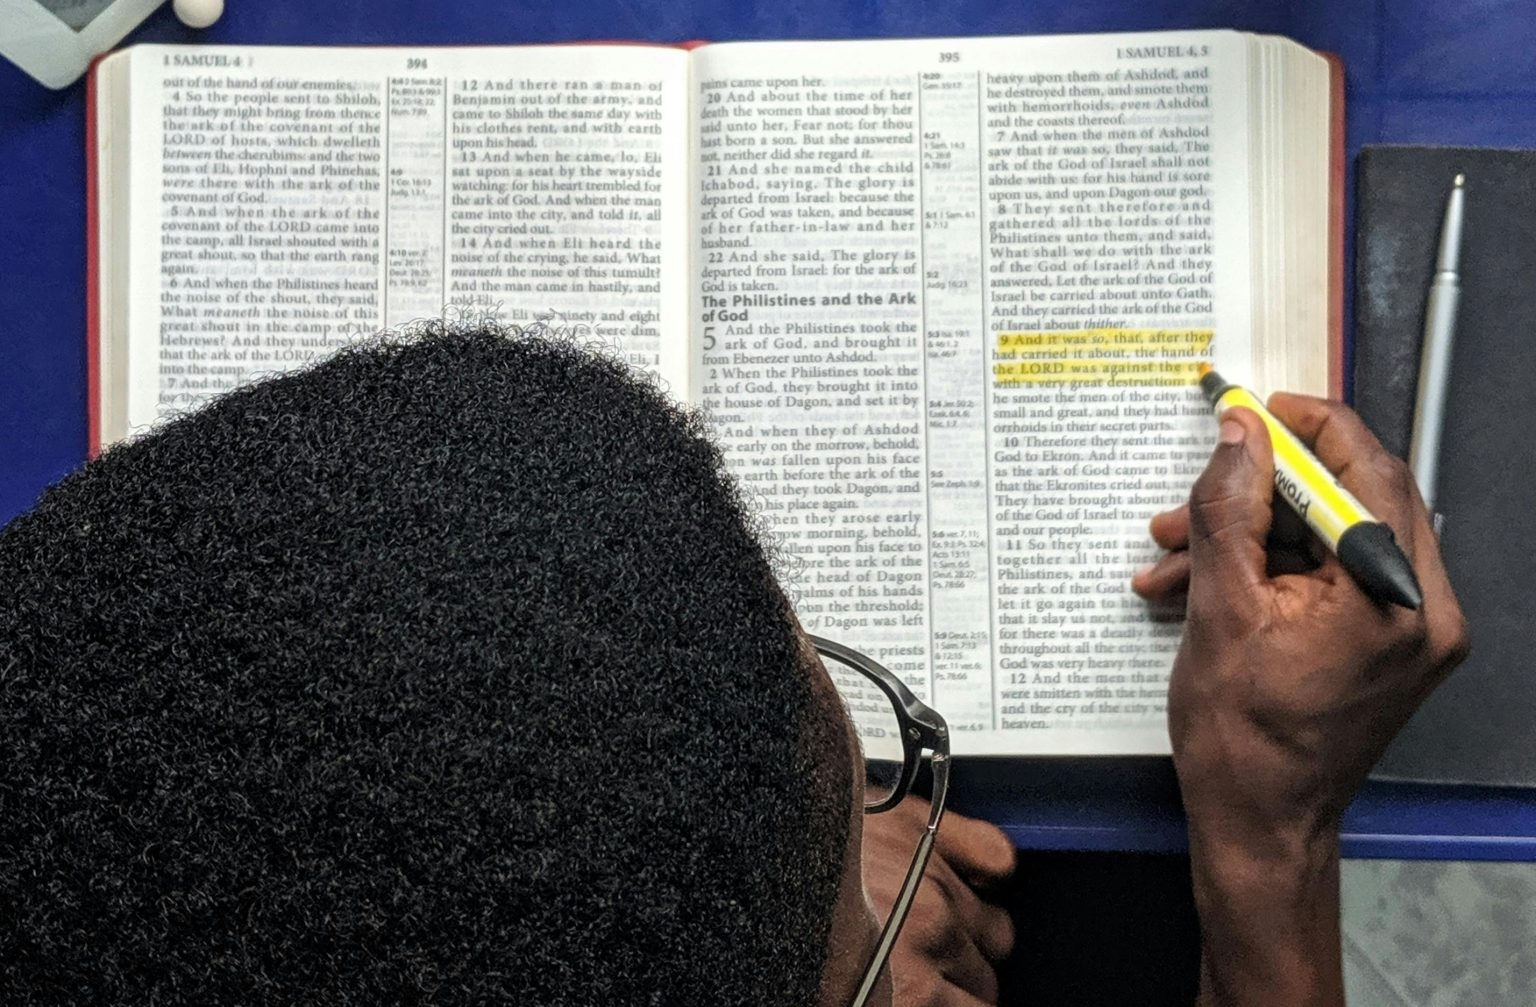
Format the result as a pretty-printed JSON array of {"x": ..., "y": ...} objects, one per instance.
[{"x": 1229, "y": 514}]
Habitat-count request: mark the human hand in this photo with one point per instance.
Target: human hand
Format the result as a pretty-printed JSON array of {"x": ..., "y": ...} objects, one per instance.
[
  {"x": 1291, "y": 681},
  {"x": 1288, "y": 685},
  {"x": 954, "y": 938}
]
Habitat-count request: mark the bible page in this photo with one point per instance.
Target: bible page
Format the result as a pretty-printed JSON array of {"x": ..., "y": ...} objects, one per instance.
[
  {"x": 287, "y": 200},
  {"x": 951, "y": 298}
]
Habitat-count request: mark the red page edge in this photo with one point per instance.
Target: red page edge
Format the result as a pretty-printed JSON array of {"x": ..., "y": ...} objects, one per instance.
[{"x": 1336, "y": 181}]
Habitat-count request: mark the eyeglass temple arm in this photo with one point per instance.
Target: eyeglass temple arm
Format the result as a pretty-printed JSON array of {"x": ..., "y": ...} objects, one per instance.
[{"x": 914, "y": 878}]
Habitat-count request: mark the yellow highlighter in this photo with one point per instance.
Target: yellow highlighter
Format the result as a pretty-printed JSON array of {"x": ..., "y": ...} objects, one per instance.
[{"x": 1364, "y": 545}]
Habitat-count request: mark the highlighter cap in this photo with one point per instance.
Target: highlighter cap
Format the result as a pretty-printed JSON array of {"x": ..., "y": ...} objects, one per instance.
[{"x": 1369, "y": 552}]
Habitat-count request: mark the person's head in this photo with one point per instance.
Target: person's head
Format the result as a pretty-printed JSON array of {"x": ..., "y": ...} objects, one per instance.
[{"x": 449, "y": 670}]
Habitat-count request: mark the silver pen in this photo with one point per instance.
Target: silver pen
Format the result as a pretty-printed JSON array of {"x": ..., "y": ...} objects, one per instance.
[{"x": 1435, "y": 357}]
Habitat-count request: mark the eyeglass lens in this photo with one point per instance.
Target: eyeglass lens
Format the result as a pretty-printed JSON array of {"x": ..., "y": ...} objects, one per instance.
[{"x": 874, "y": 715}]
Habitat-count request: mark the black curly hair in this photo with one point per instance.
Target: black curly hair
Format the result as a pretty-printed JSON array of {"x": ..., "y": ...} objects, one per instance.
[{"x": 449, "y": 670}]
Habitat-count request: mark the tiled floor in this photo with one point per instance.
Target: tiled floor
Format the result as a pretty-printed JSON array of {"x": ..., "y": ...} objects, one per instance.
[{"x": 1439, "y": 934}]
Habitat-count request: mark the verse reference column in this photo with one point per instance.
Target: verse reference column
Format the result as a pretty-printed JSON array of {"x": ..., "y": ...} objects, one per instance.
[
  {"x": 955, "y": 386},
  {"x": 415, "y": 180}
]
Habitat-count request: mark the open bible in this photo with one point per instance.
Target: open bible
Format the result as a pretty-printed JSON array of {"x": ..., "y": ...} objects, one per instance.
[{"x": 942, "y": 300}]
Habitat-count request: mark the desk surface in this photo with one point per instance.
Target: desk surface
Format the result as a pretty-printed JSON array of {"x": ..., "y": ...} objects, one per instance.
[{"x": 1417, "y": 72}]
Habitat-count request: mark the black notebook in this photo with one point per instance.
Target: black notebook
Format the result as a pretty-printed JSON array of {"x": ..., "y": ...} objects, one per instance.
[{"x": 1480, "y": 726}]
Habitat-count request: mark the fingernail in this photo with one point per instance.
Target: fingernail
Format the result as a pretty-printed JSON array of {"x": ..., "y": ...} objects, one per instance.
[
  {"x": 1142, "y": 571},
  {"x": 1232, "y": 432}
]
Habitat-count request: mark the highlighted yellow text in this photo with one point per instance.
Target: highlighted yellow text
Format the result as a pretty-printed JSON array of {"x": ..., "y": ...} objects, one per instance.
[
  {"x": 1161, "y": 357},
  {"x": 1096, "y": 372}
]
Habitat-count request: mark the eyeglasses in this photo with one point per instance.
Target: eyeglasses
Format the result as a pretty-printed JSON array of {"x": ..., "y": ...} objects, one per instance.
[{"x": 894, "y": 729}]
